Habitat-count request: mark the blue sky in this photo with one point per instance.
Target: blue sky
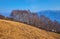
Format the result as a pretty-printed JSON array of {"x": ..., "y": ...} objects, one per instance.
[
  {"x": 33, "y": 5},
  {"x": 6, "y": 6}
]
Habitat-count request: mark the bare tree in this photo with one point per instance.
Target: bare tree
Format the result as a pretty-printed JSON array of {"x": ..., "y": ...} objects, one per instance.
[{"x": 33, "y": 19}]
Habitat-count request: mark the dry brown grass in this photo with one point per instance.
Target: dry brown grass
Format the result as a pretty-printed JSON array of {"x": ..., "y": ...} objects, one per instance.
[{"x": 15, "y": 30}]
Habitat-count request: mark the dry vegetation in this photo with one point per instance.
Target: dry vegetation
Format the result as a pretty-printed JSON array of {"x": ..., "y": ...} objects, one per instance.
[{"x": 15, "y": 30}]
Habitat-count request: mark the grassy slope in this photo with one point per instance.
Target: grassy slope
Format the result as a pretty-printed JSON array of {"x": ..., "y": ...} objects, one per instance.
[{"x": 15, "y": 30}]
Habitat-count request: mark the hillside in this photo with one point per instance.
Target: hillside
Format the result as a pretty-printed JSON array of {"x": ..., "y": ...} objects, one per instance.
[{"x": 15, "y": 30}]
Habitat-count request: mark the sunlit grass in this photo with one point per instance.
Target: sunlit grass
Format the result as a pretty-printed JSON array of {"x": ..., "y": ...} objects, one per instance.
[{"x": 15, "y": 30}]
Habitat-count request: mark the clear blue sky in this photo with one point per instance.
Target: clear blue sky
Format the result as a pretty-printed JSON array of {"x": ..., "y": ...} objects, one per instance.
[
  {"x": 6, "y": 6},
  {"x": 33, "y": 5}
]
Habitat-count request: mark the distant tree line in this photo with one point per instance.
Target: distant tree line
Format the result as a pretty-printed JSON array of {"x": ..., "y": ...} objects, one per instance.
[
  {"x": 31, "y": 18},
  {"x": 2, "y": 17},
  {"x": 5, "y": 18}
]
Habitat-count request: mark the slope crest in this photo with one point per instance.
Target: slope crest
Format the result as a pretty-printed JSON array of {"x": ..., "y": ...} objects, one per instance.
[{"x": 15, "y": 30}]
